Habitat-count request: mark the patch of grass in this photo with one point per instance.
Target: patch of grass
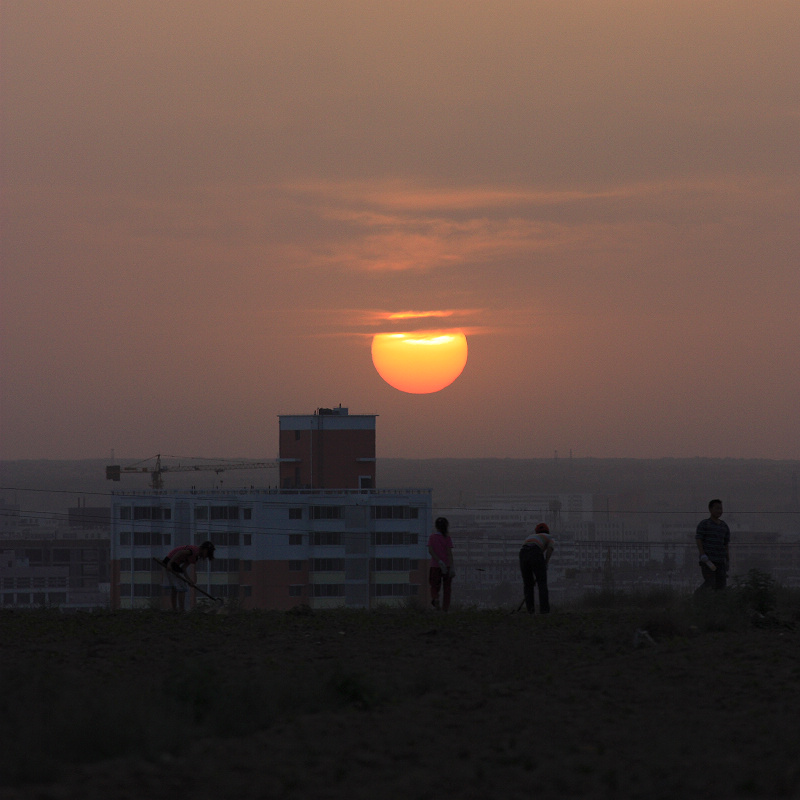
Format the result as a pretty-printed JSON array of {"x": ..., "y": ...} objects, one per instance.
[
  {"x": 668, "y": 614},
  {"x": 353, "y": 688},
  {"x": 49, "y": 718},
  {"x": 789, "y": 602},
  {"x": 663, "y": 624},
  {"x": 757, "y": 590},
  {"x": 645, "y": 598},
  {"x": 91, "y": 686}
]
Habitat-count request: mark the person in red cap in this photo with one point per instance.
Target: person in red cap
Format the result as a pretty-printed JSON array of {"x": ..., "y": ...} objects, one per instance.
[{"x": 533, "y": 560}]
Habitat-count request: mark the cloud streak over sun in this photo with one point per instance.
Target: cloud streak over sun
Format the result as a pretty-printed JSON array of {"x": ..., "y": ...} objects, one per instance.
[
  {"x": 403, "y": 315},
  {"x": 398, "y": 227},
  {"x": 393, "y": 227}
]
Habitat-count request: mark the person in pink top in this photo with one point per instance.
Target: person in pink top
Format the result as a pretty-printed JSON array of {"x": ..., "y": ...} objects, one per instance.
[
  {"x": 440, "y": 547},
  {"x": 181, "y": 561}
]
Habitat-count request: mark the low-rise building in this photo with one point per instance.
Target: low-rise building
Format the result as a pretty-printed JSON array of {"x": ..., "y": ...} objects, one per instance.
[
  {"x": 276, "y": 549},
  {"x": 68, "y": 573}
]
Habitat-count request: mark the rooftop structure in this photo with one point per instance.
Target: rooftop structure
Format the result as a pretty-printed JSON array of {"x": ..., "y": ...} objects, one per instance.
[{"x": 330, "y": 449}]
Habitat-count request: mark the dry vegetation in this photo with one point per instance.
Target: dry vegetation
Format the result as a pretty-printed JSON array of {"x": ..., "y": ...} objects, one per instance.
[{"x": 407, "y": 702}]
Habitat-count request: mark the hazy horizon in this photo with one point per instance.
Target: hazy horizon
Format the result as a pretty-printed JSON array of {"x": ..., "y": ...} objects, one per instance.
[{"x": 209, "y": 211}]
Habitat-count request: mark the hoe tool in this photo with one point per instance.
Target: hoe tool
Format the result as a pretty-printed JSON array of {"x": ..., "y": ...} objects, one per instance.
[{"x": 217, "y": 600}]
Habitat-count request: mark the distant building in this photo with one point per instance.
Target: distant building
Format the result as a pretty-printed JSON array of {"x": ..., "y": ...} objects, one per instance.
[
  {"x": 767, "y": 551},
  {"x": 9, "y": 519},
  {"x": 593, "y": 551},
  {"x": 45, "y": 562},
  {"x": 326, "y": 538},
  {"x": 68, "y": 573},
  {"x": 89, "y": 518}
]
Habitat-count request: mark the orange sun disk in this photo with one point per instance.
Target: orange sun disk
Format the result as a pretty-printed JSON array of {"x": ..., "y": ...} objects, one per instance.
[{"x": 420, "y": 362}]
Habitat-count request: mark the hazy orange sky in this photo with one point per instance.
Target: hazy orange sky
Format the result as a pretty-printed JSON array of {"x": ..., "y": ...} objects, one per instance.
[{"x": 209, "y": 209}]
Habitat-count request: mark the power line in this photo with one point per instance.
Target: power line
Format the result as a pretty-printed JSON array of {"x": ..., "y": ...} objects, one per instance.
[
  {"x": 53, "y": 491},
  {"x": 166, "y": 495}
]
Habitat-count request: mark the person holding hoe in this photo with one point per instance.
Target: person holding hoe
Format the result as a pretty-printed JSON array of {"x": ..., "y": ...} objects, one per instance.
[{"x": 182, "y": 572}]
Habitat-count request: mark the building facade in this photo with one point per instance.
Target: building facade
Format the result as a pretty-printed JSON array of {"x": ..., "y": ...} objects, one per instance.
[
  {"x": 276, "y": 549},
  {"x": 69, "y": 573}
]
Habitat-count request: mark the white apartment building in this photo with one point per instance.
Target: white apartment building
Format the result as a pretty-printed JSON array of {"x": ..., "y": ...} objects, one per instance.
[{"x": 275, "y": 549}]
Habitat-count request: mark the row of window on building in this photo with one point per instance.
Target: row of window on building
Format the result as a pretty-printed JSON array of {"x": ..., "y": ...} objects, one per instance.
[
  {"x": 294, "y": 590},
  {"x": 235, "y": 565},
  {"x": 35, "y": 582},
  {"x": 55, "y": 556},
  {"x": 236, "y": 539},
  {"x": 157, "y": 589},
  {"x": 376, "y": 538},
  {"x": 218, "y": 513},
  {"x": 159, "y": 539},
  {"x": 217, "y": 565},
  {"x": 34, "y": 598}
]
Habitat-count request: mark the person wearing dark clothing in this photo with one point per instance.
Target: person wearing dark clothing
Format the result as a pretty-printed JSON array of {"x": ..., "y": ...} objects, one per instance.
[
  {"x": 533, "y": 560},
  {"x": 713, "y": 539}
]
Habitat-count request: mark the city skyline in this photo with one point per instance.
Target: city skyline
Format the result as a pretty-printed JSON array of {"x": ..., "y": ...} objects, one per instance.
[{"x": 207, "y": 218}]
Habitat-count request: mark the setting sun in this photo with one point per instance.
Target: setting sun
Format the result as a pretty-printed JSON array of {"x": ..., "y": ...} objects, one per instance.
[{"x": 420, "y": 362}]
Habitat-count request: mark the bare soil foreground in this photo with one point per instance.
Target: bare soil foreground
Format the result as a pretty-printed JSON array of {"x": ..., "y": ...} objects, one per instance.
[{"x": 401, "y": 703}]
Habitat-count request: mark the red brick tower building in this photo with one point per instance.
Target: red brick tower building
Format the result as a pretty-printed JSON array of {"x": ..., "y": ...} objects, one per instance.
[{"x": 329, "y": 449}]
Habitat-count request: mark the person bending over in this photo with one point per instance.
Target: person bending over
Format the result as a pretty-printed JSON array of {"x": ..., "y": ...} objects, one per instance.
[
  {"x": 534, "y": 556},
  {"x": 181, "y": 567}
]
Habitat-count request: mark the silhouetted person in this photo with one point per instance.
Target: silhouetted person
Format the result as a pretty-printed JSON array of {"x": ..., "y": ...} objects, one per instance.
[
  {"x": 534, "y": 556},
  {"x": 713, "y": 538},
  {"x": 181, "y": 562},
  {"x": 440, "y": 547}
]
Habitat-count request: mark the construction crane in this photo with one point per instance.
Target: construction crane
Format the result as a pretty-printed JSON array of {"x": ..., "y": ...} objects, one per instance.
[{"x": 114, "y": 471}]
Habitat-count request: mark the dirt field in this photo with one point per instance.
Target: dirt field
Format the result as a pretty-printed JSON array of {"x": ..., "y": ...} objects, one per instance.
[{"x": 474, "y": 704}]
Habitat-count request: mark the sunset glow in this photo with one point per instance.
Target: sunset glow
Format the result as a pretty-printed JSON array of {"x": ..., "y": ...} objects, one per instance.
[
  {"x": 420, "y": 362},
  {"x": 603, "y": 198}
]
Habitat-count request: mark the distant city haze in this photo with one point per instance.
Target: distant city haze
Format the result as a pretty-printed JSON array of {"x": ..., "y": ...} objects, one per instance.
[{"x": 210, "y": 209}]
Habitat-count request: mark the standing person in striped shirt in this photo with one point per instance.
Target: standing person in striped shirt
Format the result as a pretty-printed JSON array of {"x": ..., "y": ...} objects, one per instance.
[
  {"x": 713, "y": 539},
  {"x": 533, "y": 560}
]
